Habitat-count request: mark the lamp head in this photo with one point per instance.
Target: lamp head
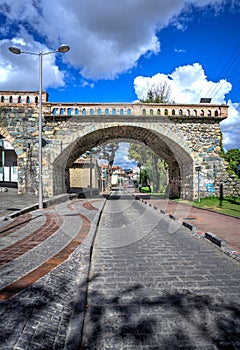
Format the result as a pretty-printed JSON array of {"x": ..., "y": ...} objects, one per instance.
[
  {"x": 63, "y": 48},
  {"x": 15, "y": 50}
]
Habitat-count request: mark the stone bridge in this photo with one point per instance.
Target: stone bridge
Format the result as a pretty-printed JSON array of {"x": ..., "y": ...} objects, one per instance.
[{"x": 186, "y": 136}]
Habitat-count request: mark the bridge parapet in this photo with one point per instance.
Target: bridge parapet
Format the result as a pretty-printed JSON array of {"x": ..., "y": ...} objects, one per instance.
[
  {"x": 136, "y": 109},
  {"x": 66, "y": 109}
]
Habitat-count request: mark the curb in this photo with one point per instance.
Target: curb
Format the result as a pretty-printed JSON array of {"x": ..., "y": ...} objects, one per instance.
[
  {"x": 214, "y": 239},
  {"x": 221, "y": 243},
  {"x": 46, "y": 203}
]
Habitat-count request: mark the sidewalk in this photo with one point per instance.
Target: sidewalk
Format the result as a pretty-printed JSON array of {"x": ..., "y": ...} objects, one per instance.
[
  {"x": 44, "y": 263},
  {"x": 224, "y": 229}
]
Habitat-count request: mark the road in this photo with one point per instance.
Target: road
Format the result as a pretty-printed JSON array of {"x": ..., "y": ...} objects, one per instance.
[{"x": 153, "y": 285}]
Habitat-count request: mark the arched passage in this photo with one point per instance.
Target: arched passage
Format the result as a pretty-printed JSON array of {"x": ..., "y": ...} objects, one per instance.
[
  {"x": 8, "y": 162},
  {"x": 166, "y": 146}
]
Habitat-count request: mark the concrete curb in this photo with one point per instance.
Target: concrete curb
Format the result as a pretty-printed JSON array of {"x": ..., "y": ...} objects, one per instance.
[
  {"x": 207, "y": 235},
  {"x": 46, "y": 203},
  {"x": 214, "y": 239}
]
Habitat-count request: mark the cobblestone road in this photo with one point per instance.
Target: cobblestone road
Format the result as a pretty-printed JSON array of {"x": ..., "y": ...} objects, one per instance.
[{"x": 154, "y": 285}]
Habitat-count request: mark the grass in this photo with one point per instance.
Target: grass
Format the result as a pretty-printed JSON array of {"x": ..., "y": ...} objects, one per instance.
[{"x": 228, "y": 205}]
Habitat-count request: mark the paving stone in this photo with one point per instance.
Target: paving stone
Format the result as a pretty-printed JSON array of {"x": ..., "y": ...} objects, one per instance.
[{"x": 159, "y": 290}]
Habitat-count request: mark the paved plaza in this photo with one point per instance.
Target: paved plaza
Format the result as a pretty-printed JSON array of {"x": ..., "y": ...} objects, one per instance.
[{"x": 44, "y": 265}]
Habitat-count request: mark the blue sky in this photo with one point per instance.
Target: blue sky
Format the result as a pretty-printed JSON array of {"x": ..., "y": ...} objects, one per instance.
[{"x": 120, "y": 49}]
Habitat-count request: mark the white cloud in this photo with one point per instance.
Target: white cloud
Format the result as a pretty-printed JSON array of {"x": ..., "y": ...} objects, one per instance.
[
  {"x": 19, "y": 71},
  {"x": 188, "y": 84},
  {"x": 107, "y": 37},
  {"x": 121, "y": 157},
  {"x": 231, "y": 127}
]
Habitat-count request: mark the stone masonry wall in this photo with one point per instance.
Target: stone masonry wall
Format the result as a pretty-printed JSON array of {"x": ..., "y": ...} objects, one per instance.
[{"x": 186, "y": 135}]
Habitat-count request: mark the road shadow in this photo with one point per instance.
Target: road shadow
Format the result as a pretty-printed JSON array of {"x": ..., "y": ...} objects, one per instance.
[{"x": 173, "y": 320}]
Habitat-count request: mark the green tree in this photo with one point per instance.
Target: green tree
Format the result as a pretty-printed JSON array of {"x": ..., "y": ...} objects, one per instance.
[
  {"x": 232, "y": 156},
  {"x": 153, "y": 167}
]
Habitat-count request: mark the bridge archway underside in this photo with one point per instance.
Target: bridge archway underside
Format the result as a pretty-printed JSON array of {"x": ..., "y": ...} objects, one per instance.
[{"x": 178, "y": 159}]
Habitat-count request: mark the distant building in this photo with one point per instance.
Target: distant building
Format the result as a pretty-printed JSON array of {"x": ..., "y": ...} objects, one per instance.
[{"x": 80, "y": 175}]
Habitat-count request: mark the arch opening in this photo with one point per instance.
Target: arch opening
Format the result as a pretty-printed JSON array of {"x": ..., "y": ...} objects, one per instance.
[{"x": 180, "y": 163}]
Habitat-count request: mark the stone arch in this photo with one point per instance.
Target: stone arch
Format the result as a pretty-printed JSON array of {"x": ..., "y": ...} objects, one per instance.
[{"x": 165, "y": 143}]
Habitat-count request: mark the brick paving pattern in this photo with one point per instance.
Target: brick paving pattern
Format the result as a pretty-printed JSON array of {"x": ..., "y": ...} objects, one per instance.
[
  {"x": 42, "y": 271},
  {"x": 158, "y": 289},
  {"x": 43, "y": 284}
]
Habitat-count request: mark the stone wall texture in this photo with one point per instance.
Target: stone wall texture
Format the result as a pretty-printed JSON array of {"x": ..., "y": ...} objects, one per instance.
[{"x": 185, "y": 136}]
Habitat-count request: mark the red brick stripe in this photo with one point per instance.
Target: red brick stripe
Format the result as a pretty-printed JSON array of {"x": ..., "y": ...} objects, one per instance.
[
  {"x": 33, "y": 276},
  {"x": 14, "y": 251},
  {"x": 18, "y": 222}
]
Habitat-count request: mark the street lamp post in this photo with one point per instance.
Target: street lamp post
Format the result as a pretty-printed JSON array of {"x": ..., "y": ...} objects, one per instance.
[
  {"x": 198, "y": 169},
  {"x": 40, "y": 54},
  {"x": 89, "y": 153}
]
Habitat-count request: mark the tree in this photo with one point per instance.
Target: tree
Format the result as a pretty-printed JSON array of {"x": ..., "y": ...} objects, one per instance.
[
  {"x": 159, "y": 93},
  {"x": 232, "y": 156},
  {"x": 155, "y": 167}
]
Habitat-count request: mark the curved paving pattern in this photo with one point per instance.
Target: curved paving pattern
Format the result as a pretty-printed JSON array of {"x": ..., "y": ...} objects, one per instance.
[{"x": 35, "y": 239}]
